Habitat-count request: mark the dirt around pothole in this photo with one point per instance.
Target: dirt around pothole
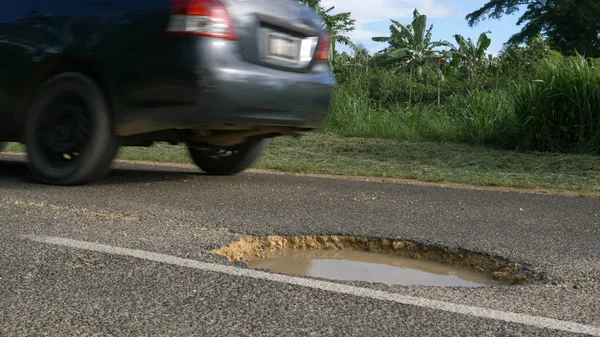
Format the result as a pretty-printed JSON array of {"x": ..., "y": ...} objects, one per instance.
[{"x": 500, "y": 269}]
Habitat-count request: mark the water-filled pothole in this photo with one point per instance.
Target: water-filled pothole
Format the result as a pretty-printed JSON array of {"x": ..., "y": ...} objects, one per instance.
[
  {"x": 351, "y": 265},
  {"x": 375, "y": 260}
]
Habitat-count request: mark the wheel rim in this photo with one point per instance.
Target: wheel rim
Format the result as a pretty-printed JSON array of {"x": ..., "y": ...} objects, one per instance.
[
  {"x": 216, "y": 152},
  {"x": 63, "y": 132},
  {"x": 222, "y": 153}
]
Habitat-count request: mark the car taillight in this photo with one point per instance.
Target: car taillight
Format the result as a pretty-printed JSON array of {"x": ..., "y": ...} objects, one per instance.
[
  {"x": 201, "y": 17},
  {"x": 323, "y": 48}
]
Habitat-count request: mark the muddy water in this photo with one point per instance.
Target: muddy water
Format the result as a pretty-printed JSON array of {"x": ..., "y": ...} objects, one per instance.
[{"x": 350, "y": 265}]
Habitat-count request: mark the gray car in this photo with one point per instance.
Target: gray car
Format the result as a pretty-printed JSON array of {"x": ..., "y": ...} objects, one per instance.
[{"x": 81, "y": 78}]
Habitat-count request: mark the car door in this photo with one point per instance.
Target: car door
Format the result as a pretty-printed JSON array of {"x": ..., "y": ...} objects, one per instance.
[
  {"x": 10, "y": 51},
  {"x": 31, "y": 33},
  {"x": 132, "y": 48}
]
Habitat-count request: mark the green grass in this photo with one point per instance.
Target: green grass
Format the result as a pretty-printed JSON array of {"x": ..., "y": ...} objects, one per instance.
[{"x": 427, "y": 161}]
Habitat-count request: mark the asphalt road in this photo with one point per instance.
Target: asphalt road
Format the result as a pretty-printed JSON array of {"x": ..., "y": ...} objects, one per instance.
[{"x": 153, "y": 273}]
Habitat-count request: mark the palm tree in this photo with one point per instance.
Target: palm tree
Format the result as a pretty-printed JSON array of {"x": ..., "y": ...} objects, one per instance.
[
  {"x": 361, "y": 58},
  {"x": 471, "y": 57},
  {"x": 411, "y": 46}
]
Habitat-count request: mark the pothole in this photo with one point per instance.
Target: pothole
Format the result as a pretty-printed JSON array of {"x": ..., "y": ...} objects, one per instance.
[{"x": 375, "y": 260}]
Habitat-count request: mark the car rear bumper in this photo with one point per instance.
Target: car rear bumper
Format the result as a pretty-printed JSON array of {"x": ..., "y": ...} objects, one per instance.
[{"x": 218, "y": 88}]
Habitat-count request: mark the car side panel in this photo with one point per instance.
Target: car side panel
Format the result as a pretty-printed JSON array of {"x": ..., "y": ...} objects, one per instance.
[
  {"x": 157, "y": 80},
  {"x": 11, "y": 54},
  {"x": 118, "y": 39},
  {"x": 126, "y": 40},
  {"x": 160, "y": 81},
  {"x": 232, "y": 91},
  {"x": 38, "y": 32}
]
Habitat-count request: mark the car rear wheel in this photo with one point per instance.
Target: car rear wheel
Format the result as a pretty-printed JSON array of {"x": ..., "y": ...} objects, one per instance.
[
  {"x": 69, "y": 136},
  {"x": 227, "y": 160}
]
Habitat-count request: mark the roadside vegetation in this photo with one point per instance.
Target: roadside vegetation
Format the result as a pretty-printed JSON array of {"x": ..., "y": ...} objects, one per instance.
[
  {"x": 450, "y": 111},
  {"x": 529, "y": 97}
]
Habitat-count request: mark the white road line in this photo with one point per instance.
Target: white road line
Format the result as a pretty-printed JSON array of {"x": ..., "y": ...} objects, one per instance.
[{"x": 535, "y": 321}]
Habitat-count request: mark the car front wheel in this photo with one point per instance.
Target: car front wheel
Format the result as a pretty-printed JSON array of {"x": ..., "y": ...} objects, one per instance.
[{"x": 227, "y": 160}]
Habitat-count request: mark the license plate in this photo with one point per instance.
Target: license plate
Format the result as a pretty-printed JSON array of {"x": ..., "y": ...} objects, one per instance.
[{"x": 283, "y": 47}]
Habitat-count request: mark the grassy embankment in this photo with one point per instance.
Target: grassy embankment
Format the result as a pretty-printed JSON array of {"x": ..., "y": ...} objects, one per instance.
[{"x": 427, "y": 161}]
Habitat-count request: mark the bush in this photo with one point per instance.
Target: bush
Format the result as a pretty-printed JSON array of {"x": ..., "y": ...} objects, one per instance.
[
  {"x": 384, "y": 88},
  {"x": 560, "y": 109}
]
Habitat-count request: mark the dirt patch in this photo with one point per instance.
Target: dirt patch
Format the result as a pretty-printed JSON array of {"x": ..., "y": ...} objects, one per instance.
[
  {"x": 79, "y": 211},
  {"x": 500, "y": 269}
]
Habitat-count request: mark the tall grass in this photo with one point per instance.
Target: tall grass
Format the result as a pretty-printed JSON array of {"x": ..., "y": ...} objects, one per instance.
[
  {"x": 485, "y": 117},
  {"x": 478, "y": 118},
  {"x": 560, "y": 109},
  {"x": 355, "y": 116}
]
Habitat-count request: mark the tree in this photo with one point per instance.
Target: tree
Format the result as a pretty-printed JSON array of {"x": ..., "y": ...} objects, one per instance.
[
  {"x": 337, "y": 25},
  {"x": 576, "y": 28},
  {"x": 519, "y": 61},
  {"x": 471, "y": 58},
  {"x": 570, "y": 25},
  {"x": 352, "y": 65},
  {"x": 411, "y": 46}
]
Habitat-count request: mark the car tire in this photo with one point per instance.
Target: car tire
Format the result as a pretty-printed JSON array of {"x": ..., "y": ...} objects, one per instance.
[
  {"x": 69, "y": 135},
  {"x": 227, "y": 160}
]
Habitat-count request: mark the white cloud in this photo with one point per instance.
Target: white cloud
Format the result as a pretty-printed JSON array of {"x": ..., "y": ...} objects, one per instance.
[
  {"x": 371, "y": 11},
  {"x": 381, "y": 11}
]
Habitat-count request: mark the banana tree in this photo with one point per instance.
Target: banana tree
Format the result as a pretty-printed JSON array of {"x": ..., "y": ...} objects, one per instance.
[
  {"x": 337, "y": 25},
  {"x": 411, "y": 46},
  {"x": 470, "y": 57}
]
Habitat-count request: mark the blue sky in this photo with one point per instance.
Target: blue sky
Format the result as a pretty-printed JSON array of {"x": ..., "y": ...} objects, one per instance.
[{"x": 447, "y": 16}]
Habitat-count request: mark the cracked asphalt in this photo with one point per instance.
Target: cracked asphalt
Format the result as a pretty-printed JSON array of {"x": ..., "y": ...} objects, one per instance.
[{"x": 55, "y": 290}]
